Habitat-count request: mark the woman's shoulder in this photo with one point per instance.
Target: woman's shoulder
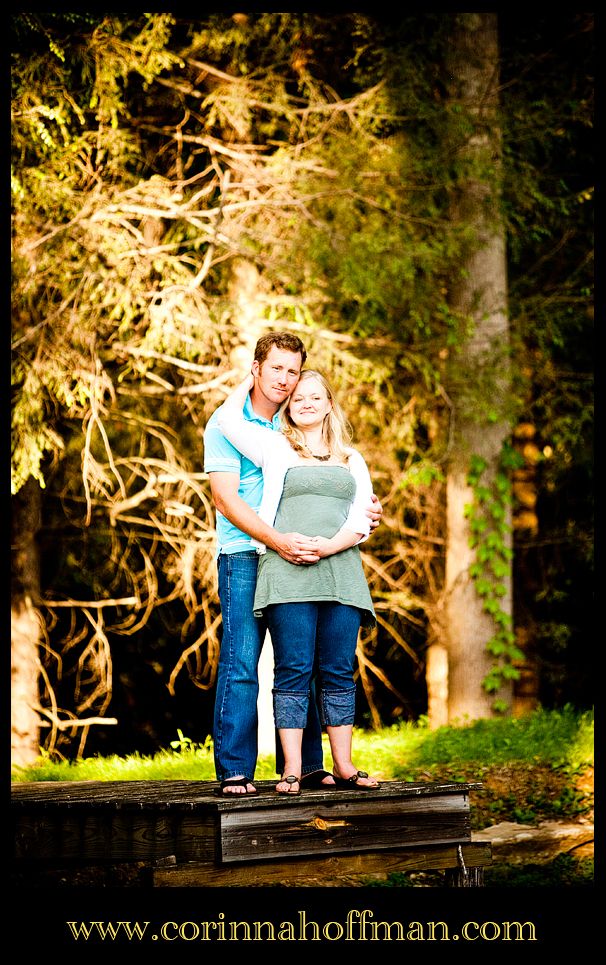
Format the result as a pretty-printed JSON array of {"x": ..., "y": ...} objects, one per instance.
[{"x": 357, "y": 463}]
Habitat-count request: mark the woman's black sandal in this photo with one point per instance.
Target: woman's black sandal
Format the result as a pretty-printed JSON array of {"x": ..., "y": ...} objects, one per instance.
[
  {"x": 290, "y": 780},
  {"x": 351, "y": 783}
]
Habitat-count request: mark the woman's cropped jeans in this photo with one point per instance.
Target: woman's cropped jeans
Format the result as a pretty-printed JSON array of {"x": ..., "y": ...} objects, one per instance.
[
  {"x": 303, "y": 633},
  {"x": 235, "y": 715}
]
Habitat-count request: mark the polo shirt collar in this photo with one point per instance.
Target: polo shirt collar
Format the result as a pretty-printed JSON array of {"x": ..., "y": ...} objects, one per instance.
[{"x": 251, "y": 416}]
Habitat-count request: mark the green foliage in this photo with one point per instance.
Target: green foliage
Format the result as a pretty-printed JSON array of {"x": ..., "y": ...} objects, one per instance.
[
  {"x": 62, "y": 131},
  {"x": 549, "y": 172},
  {"x": 489, "y": 537},
  {"x": 422, "y": 474},
  {"x": 565, "y": 871},
  {"x": 32, "y": 436},
  {"x": 559, "y": 737},
  {"x": 383, "y": 257}
]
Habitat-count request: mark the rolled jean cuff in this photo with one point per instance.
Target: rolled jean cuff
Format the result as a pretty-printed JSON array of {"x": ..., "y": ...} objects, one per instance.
[
  {"x": 290, "y": 709},
  {"x": 338, "y": 707}
]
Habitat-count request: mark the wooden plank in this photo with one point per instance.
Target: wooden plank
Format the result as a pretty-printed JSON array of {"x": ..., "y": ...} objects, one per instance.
[
  {"x": 90, "y": 837},
  {"x": 186, "y": 795},
  {"x": 323, "y": 871},
  {"x": 353, "y": 825},
  {"x": 115, "y": 795}
]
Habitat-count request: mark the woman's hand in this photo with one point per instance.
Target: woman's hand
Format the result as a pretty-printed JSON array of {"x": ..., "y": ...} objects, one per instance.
[
  {"x": 343, "y": 540},
  {"x": 321, "y": 545},
  {"x": 374, "y": 512}
]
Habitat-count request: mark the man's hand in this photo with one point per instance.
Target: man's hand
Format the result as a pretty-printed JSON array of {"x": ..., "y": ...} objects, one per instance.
[
  {"x": 374, "y": 513},
  {"x": 296, "y": 548}
]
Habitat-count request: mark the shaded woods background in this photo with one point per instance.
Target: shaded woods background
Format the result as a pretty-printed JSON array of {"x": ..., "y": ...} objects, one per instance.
[{"x": 182, "y": 185}]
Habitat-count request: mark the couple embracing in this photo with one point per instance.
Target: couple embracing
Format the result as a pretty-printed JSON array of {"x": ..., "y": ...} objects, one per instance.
[{"x": 293, "y": 502}]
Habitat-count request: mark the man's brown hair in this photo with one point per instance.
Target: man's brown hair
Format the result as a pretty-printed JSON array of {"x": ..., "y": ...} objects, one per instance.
[{"x": 283, "y": 340}]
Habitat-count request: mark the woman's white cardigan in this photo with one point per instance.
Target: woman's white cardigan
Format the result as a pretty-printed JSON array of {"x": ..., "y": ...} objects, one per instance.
[{"x": 270, "y": 450}]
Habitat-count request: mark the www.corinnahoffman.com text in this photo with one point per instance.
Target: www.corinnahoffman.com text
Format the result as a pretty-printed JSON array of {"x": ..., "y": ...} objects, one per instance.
[{"x": 357, "y": 925}]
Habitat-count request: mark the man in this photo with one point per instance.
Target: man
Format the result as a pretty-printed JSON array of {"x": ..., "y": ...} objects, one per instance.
[{"x": 237, "y": 486}]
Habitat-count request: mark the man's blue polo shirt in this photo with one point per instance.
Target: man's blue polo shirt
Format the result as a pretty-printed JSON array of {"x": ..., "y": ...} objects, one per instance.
[{"x": 221, "y": 456}]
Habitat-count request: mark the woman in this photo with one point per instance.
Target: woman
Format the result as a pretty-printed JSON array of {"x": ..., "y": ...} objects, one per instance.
[{"x": 313, "y": 483}]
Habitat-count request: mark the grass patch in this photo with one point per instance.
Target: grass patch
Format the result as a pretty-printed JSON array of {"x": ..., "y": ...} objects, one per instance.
[
  {"x": 186, "y": 762},
  {"x": 560, "y": 737}
]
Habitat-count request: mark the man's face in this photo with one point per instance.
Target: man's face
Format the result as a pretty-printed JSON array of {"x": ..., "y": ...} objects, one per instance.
[{"x": 277, "y": 376}]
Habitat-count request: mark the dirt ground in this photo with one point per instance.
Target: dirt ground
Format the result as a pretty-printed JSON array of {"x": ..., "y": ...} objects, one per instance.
[{"x": 530, "y": 793}]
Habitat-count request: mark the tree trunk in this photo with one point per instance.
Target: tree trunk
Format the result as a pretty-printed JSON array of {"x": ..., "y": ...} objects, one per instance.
[
  {"x": 436, "y": 677},
  {"x": 25, "y": 625},
  {"x": 479, "y": 380}
]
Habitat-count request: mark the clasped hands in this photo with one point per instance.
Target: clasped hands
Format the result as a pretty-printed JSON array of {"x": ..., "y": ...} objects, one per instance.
[{"x": 297, "y": 548}]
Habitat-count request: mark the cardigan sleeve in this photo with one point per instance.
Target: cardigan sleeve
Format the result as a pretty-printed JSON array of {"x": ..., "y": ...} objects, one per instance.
[
  {"x": 258, "y": 443},
  {"x": 357, "y": 521}
]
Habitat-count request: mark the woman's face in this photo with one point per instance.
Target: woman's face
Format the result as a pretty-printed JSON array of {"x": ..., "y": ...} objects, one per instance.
[{"x": 309, "y": 404}]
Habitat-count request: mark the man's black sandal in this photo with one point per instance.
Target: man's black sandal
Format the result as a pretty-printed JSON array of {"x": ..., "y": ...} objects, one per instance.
[
  {"x": 351, "y": 783},
  {"x": 314, "y": 781},
  {"x": 235, "y": 782}
]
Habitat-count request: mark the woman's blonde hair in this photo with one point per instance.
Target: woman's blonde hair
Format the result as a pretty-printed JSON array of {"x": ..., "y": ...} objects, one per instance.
[{"x": 336, "y": 430}]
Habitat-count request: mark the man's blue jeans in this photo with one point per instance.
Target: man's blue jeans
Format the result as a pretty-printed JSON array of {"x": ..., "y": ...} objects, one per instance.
[
  {"x": 235, "y": 717},
  {"x": 301, "y": 634}
]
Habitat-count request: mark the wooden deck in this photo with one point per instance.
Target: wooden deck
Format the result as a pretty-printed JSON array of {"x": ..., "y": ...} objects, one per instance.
[{"x": 191, "y": 837}]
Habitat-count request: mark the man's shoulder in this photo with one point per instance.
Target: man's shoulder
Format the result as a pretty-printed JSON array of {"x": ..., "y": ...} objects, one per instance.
[{"x": 219, "y": 454}]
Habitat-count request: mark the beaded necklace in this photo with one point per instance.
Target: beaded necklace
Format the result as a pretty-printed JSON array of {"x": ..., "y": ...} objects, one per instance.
[{"x": 320, "y": 458}]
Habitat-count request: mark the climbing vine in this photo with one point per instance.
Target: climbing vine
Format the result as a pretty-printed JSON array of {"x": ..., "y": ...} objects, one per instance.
[{"x": 487, "y": 516}]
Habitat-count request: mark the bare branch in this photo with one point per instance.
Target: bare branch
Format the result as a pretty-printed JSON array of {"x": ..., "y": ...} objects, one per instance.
[
  {"x": 70, "y": 723},
  {"x": 117, "y": 509},
  {"x": 89, "y": 604},
  {"x": 139, "y": 352}
]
